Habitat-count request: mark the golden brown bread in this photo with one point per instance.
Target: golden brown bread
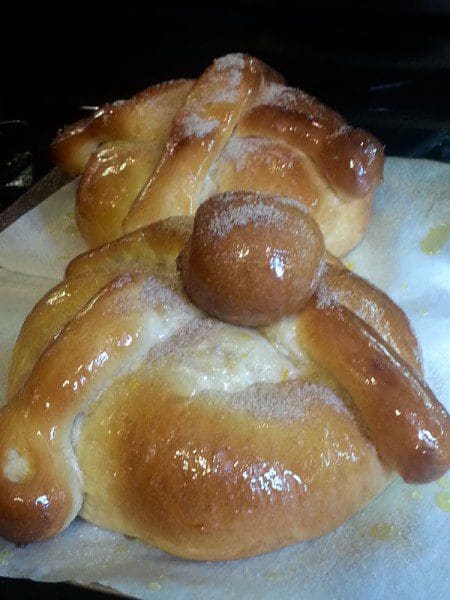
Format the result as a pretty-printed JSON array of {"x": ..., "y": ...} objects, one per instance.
[
  {"x": 135, "y": 410},
  {"x": 252, "y": 258},
  {"x": 237, "y": 127},
  {"x": 144, "y": 119},
  {"x": 210, "y": 477},
  {"x": 255, "y": 259},
  {"x": 408, "y": 426}
]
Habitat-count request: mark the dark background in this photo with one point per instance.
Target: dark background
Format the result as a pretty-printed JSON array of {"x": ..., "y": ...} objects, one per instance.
[{"x": 385, "y": 68}]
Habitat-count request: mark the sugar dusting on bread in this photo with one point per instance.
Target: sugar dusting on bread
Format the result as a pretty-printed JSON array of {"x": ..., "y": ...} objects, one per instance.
[
  {"x": 207, "y": 354},
  {"x": 258, "y": 212},
  {"x": 226, "y": 85},
  {"x": 285, "y": 97},
  {"x": 179, "y": 346},
  {"x": 236, "y": 367},
  {"x": 259, "y": 215},
  {"x": 283, "y": 401},
  {"x": 222, "y": 84},
  {"x": 163, "y": 289},
  {"x": 293, "y": 99},
  {"x": 195, "y": 126},
  {"x": 230, "y": 61},
  {"x": 239, "y": 150}
]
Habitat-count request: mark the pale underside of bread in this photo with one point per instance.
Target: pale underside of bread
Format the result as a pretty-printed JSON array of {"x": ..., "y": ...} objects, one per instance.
[
  {"x": 237, "y": 127},
  {"x": 141, "y": 414}
]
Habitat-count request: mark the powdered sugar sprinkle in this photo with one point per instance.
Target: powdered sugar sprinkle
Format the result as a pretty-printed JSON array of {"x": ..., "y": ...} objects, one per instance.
[
  {"x": 230, "y": 61},
  {"x": 261, "y": 211},
  {"x": 195, "y": 126}
]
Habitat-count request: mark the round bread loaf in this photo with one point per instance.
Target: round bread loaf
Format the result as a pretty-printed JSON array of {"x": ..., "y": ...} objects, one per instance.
[
  {"x": 132, "y": 408},
  {"x": 237, "y": 127}
]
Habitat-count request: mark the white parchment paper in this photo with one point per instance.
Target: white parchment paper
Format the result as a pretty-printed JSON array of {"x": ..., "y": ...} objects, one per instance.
[{"x": 398, "y": 547}]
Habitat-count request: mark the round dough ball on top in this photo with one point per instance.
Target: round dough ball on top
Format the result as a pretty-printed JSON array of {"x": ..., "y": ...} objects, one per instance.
[{"x": 252, "y": 258}]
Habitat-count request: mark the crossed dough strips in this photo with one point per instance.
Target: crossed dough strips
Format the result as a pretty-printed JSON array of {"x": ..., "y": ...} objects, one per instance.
[
  {"x": 238, "y": 126},
  {"x": 129, "y": 406}
]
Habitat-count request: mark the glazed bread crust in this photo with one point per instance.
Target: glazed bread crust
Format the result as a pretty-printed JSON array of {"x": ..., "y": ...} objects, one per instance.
[
  {"x": 237, "y": 127},
  {"x": 137, "y": 411},
  {"x": 223, "y": 483},
  {"x": 255, "y": 273}
]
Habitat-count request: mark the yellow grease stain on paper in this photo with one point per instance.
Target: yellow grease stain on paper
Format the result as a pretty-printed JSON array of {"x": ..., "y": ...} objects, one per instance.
[
  {"x": 71, "y": 230},
  {"x": 385, "y": 532},
  {"x": 154, "y": 586},
  {"x": 5, "y": 555},
  {"x": 273, "y": 576},
  {"x": 435, "y": 239},
  {"x": 417, "y": 494},
  {"x": 121, "y": 549},
  {"x": 443, "y": 501},
  {"x": 444, "y": 482}
]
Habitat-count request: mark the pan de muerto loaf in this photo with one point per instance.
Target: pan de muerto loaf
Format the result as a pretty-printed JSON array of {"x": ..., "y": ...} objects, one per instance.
[
  {"x": 237, "y": 127},
  {"x": 133, "y": 407}
]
